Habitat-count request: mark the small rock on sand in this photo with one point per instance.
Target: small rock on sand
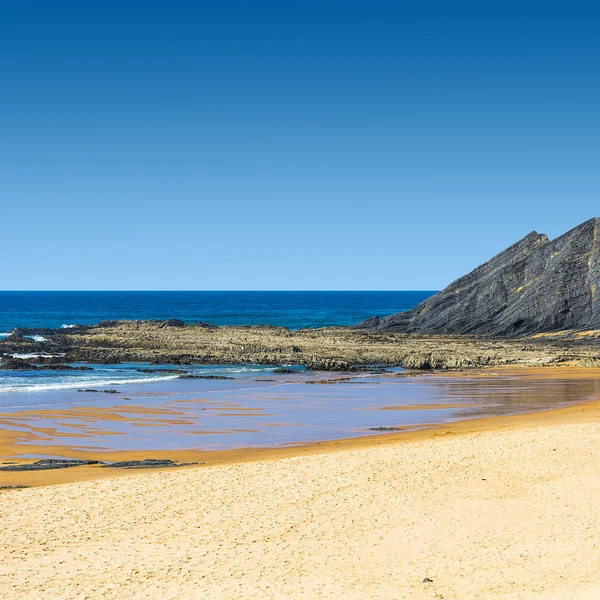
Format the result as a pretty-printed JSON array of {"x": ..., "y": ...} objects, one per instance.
[{"x": 148, "y": 463}]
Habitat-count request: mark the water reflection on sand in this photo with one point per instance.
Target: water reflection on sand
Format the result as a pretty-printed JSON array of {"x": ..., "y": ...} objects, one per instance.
[{"x": 284, "y": 409}]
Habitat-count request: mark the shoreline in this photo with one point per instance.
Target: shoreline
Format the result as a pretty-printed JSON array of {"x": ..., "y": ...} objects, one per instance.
[
  {"x": 499, "y": 507},
  {"x": 578, "y": 412}
]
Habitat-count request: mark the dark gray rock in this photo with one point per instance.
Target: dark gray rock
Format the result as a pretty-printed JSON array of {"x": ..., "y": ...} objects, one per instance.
[
  {"x": 193, "y": 376},
  {"x": 19, "y": 364},
  {"x": 50, "y": 463},
  {"x": 204, "y": 325},
  {"x": 43, "y": 331},
  {"x": 162, "y": 371},
  {"x": 385, "y": 429},
  {"x": 172, "y": 323},
  {"x": 148, "y": 463},
  {"x": 535, "y": 285}
]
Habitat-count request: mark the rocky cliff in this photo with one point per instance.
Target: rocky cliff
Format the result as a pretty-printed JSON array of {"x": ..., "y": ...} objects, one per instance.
[{"x": 535, "y": 285}]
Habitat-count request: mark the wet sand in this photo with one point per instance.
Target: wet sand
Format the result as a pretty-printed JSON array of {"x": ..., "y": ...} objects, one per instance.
[
  {"x": 74, "y": 432},
  {"x": 498, "y": 508},
  {"x": 563, "y": 371}
]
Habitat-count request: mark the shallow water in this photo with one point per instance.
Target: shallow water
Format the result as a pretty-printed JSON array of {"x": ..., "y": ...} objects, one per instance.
[
  {"x": 29, "y": 383},
  {"x": 264, "y": 409}
]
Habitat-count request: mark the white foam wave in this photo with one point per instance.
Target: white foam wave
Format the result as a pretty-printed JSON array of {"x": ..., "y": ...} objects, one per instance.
[
  {"x": 36, "y": 338},
  {"x": 3, "y": 335},
  {"x": 67, "y": 326},
  {"x": 83, "y": 384}
]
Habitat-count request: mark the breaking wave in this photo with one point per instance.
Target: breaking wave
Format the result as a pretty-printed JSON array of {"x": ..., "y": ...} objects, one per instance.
[{"x": 77, "y": 383}]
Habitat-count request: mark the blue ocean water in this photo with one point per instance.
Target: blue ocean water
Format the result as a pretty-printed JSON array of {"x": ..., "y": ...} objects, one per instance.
[
  {"x": 229, "y": 406},
  {"x": 57, "y": 309},
  {"x": 290, "y": 309}
]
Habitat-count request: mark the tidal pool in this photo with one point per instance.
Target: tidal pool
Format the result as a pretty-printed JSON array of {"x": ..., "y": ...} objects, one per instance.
[{"x": 262, "y": 409}]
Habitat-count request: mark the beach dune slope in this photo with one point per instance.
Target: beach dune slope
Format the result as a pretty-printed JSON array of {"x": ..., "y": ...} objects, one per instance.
[
  {"x": 535, "y": 285},
  {"x": 507, "y": 514}
]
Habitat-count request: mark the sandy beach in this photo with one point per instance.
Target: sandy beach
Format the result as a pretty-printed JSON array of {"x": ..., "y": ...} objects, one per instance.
[
  {"x": 489, "y": 508},
  {"x": 300, "y": 301}
]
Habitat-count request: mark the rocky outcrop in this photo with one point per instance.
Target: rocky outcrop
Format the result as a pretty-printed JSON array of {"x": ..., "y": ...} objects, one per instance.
[
  {"x": 331, "y": 349},
  {"x": 535, "y": 285},
  {"x": 172, "y": 323},
  {"x": 18, "y": 364},
  {"x": 48, "y": 464}
]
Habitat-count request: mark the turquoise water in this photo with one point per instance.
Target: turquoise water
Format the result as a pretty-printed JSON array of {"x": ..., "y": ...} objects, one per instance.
[
  {"x": 19, "y": 388},
  {"x": 290, "y": 309}
]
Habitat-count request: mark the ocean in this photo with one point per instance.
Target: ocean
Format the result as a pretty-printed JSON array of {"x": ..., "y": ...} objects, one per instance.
[
  {"x": 290, "y": 309},
  {"x": 62, "y": 309},
  {"x": 141, "y": 406}
]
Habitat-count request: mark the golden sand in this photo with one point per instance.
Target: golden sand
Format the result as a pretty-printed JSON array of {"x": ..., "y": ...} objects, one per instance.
[{"x": 498, "y": 508}]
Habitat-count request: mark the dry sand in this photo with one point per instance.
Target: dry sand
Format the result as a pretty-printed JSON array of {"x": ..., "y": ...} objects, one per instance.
[{"x": 496, "y": 508}]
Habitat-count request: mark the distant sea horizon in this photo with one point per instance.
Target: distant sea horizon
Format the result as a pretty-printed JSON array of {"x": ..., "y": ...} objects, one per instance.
[{"x": 293, "y": 309}]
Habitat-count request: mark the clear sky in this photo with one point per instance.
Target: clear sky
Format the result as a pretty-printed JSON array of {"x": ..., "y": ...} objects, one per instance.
[{"x": 289, "y": 145}]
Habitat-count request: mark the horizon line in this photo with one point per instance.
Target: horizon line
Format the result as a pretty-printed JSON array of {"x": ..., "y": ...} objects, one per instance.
[{"x": 212, "y": 291}]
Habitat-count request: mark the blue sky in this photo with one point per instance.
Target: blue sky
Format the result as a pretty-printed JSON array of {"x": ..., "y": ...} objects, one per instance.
[{"x": 261, "y": 146}]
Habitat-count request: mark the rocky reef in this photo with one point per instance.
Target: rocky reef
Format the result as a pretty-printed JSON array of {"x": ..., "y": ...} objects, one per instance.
[
  {"x": 328, "y": 349},
  {"x": 535, "y": 285}
]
